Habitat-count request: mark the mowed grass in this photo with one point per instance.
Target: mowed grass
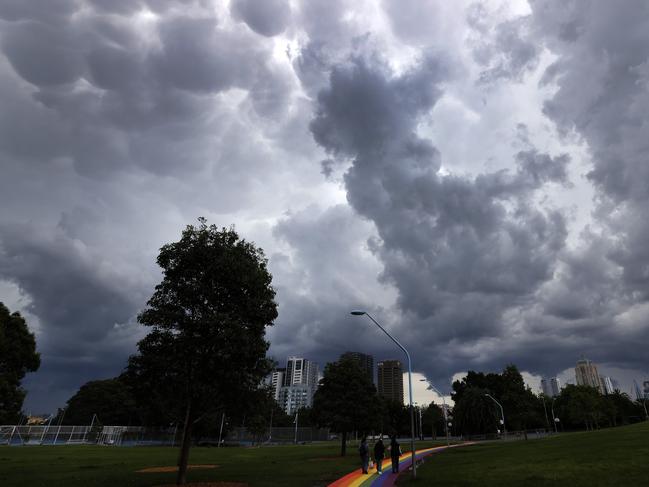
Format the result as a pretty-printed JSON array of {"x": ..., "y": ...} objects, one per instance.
[
  {"x": 610, "y": 457},
  {"x": 84, "y": 465}
]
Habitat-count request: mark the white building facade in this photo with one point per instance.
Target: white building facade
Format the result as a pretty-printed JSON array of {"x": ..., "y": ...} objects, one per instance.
[{"x": 299, "y": 384}]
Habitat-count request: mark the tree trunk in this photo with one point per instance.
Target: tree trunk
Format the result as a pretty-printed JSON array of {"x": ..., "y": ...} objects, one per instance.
[
  {"x": 343, "y": 445},
  {"x": 181, "y": 479}
]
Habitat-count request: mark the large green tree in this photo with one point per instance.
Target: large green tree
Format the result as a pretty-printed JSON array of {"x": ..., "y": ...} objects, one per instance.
[
  {"x": 206, "y": 349},
  {"x": 110, "y": 399},
  {"x": 521, "y": 407},
  {"x": 17, "y": 357},
  {"x": 346, "y": 400},
  {"x": 432, "y": 418}
]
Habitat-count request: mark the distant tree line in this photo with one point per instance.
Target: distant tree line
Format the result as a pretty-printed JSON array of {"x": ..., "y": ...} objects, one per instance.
[{"x": 576, "y": 407}]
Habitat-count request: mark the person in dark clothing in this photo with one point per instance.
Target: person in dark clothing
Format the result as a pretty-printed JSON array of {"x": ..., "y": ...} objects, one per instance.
[
  {"x": 395, "y": 453},
  {"x": 379, "y": 453},
  {"x": 364, "y": 451}
]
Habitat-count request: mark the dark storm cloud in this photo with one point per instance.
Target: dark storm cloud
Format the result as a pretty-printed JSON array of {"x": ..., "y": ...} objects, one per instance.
[
  {"x": 597, "y": 300},
  {"x": 115, "y": 91},
  {"x": 461, "y": 251},
  {"x": 603, "y": 93},
  {"x": 116, "y": 131},
  {"x": 81, "y": 303},
  {"x": 72, "y": 291},
  {"x": 320, "y": 281},
  {"x": 265, "y": 17}
]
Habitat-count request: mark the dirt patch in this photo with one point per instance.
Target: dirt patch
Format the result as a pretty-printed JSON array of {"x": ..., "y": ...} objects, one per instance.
[
  {"x": 174, "y": 469},
  {"x": 208, "y": 484}
]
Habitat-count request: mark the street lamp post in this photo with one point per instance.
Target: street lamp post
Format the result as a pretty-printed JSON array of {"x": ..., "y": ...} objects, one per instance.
[
  {"x": 412, "y": 411},
  {"x": 418, "y": 426},
  {"x": 555, "y": 420},
  {"x": 445, "y": 408},
  {"x": 421, "y": 426},
  {"x": 221, "y": 429},
  {"x": 502, "y": 413}
]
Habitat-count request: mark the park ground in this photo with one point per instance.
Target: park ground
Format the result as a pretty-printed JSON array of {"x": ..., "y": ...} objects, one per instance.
[
  {"x": 605, "y": 457},
  {"x": 609, "y": 457}
]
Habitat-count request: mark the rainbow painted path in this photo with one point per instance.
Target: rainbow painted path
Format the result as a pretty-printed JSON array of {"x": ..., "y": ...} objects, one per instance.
[{"x": 387, "y": 478}]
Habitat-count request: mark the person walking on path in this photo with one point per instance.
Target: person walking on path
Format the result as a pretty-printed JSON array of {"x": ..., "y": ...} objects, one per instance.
[
  {"x": 395, "y": 453},
  {"x": 364, "y": 451},
  {"x": 379, "y": 453}
]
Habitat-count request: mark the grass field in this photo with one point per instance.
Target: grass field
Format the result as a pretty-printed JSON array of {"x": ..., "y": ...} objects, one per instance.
[
  {"x": 611, "y": 457},
  {"x": 617, "y": 456},
  {"x": 81, "y": 466}
]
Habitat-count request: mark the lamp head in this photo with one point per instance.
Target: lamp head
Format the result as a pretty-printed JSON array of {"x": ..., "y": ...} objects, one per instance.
[{"x": 358, "y": 312}]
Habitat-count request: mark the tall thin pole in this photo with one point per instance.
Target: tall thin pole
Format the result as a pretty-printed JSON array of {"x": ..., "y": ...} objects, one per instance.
[
  {"x": 502, "y": 413},
  {"x": 296, "y": 418},
  {"x": 59, "y": 429},
  {"x": 221, "y": 429},
  {"x": 421, "y": 426},
  {"x": 445, "y": 408},
  {"x": 554, "y": 418},
  {"x": 45, "y": 430},
  {"x": 412, "y": 410},
  {"x": 270, "y": 428},
  {"x": 545, "y": 410}
]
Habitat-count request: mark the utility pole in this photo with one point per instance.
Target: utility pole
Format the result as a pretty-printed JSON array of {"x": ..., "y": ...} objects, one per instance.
[{"x": 221, "y": 429}]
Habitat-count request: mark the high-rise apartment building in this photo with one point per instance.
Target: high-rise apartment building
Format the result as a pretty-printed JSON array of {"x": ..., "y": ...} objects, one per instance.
[
  {"x": 551, "y": 387},
  {"x": 607, "y": 385},
  {"x": 299, "y": 383},
  {"x": 297, "y": 396},
  {"x": 301, "y": 371},
  {"x": 586, "y": 374},
  {"x": 390, "y": 380},
  {"x": 365, "y": 361},
  {"x": 276, "y": 379}
]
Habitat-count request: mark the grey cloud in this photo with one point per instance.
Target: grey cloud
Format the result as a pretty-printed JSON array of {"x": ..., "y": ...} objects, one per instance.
[
  {"x": 42, "y": 54},
  {"x": 461, "y": 251},
  {"x": 119, "y": 96},
  {"x": 602, "y": 94},
  {"x": 47, "y": 10},
  {"x": 123, "y": 7},
  {"x": 198, "y": 56},
  {"x": 320, "y": 280},
  {"x": 266, "y": 17},
  {"x": 65, "y": 282},
  {"x": 507, "y": 52},
  {"x": 84, "y": 305},
  {"x": 117, "y": 130}
]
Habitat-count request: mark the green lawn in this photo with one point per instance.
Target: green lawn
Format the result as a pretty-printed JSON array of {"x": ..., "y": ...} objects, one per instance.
[
  {"x": 81, "y": 466},
  {"x": 611, "y": 457}
]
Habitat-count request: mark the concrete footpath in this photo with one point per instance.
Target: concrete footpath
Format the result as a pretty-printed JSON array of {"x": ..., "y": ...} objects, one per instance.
[{"x": 387, "y": 478}]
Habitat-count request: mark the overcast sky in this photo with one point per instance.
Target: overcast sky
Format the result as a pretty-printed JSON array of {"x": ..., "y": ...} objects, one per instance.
[{"x": 475, "y": 174}]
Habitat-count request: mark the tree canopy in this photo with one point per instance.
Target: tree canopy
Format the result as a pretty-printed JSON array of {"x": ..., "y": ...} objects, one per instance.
[
  {"x": 110, "y": 399},
  {"x": 206, "y": 349},
  {"x": 17, "y": 357},
  {"x": 475, "y": 413},
  {"x": 346, "y": 400}
]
